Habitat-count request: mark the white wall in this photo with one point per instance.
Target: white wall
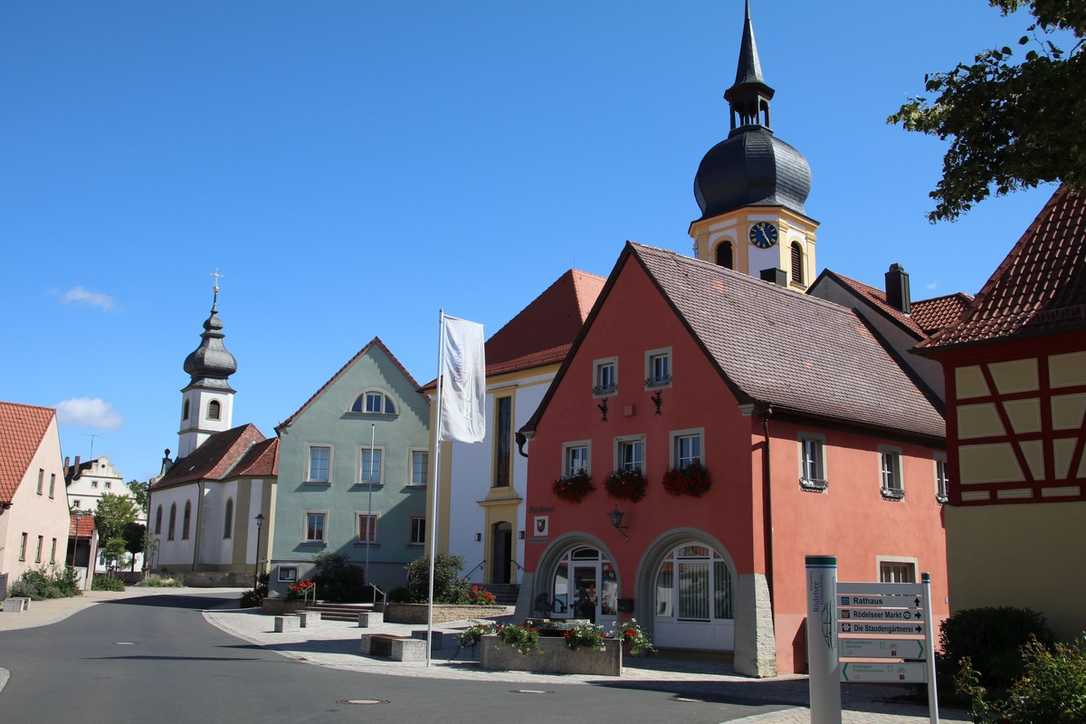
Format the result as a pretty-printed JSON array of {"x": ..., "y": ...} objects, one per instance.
[
  {"x": 214, "y": 549},
  {"x": 256, "y": 505},
  {"x": 199, "y": 398},
  {"x": 177, "y": 552}
]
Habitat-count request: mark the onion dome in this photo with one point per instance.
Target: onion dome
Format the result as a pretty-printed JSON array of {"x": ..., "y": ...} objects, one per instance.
[
  {"x": 751, "y": 167},
  {"x": 211, "y": 363}
]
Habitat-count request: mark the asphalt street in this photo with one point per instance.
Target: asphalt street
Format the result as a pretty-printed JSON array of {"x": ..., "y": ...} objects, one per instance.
[{"x": 155, "y": 659}]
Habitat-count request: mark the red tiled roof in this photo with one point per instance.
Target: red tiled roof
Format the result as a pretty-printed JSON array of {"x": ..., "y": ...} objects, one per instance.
[
  {"x": 796, "y": 352},
  {"x": 214, "y": 459},
  {"x": 542, "y": 332},
  {"x": 877, "y": 298},
  {"x": 81, "y": 526},
  {"x": 935, "y": 313},
  {"x": 1039, "y": 288},
  {"x": 375, "y": 342},
  {"x": 260, "y": 461},
  {"x": 22, "y": 428}
]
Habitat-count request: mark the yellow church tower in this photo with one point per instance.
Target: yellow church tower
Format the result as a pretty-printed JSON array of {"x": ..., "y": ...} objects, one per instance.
[{"x": 751, "y": 188}]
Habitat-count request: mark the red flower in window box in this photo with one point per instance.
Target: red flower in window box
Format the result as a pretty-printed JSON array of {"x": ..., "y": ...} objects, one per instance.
[
  {"x": 691, "y": 480},
  {"x": 574, "y": 488},
  {"x": 627, "y": 484}
]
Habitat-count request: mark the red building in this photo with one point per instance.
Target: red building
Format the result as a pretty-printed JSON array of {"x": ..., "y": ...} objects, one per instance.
[
  {"x": 813, "y": 438},
  {"x": 1015, "y": 370}
]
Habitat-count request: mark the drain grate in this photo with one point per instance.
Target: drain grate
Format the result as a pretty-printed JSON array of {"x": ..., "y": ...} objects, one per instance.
[{"x": 362, "y": 701}]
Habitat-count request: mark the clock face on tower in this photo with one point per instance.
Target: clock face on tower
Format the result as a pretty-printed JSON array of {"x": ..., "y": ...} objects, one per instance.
[{"x": 763, "y": 234}]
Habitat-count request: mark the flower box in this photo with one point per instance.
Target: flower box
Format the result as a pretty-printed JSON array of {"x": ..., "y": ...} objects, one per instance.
[{"x": 552, "y": 657}]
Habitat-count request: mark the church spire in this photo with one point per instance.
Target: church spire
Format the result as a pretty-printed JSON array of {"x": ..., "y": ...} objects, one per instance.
[{"x": 749, "y": 96}]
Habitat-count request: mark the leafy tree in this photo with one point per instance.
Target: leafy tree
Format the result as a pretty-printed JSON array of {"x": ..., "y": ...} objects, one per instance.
[
  {"x": 140, "y": 493},
  {"x": 114, "y": 550},
  {"x": 134, "y": 535},
  {"x": 113, "y": 513},
  {"x": 1016, "y": 122}
]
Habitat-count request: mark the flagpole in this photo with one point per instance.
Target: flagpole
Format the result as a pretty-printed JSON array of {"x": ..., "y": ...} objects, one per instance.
[
  {"x": 369, "y": 511},
  {"x": 436, "y": 479}
]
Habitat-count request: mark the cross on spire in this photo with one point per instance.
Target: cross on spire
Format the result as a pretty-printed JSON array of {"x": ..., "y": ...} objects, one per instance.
[{"x": 215, "y": 276}]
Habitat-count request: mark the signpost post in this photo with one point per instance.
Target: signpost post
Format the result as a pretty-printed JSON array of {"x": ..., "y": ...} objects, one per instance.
[{"x": 883, "y": 630}]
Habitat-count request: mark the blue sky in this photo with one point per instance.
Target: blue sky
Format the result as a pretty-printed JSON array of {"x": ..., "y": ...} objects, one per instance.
[{"x": 350, "y": 167}]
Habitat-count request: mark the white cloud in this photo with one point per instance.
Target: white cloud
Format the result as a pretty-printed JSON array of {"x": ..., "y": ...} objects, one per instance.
[
  {"x": 88, "y": 412},
  {"x": 79, "y": 295}
]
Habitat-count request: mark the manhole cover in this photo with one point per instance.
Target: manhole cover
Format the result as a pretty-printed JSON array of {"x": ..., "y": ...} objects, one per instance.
[{"x": 362, "y": 701}]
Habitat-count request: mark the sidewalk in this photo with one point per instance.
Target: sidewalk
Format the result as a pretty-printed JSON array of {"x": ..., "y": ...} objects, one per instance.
[
  {"x": 44, "y": 613},
  {"x": 335, "y": 644}
]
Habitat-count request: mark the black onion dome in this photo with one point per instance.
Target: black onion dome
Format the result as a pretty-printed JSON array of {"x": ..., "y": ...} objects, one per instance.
[
  {"x": 211, "y": 360},
  {"x": 751, "y": 167}
]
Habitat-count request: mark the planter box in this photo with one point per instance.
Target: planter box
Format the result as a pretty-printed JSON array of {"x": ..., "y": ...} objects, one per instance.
[
  {"x": 443, "y": 612},
  {"x": 553, "y": 657},
  {"x": 281, "y": 606}
]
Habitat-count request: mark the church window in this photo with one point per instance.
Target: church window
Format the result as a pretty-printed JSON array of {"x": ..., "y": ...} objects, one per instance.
[
  {"x": 186, "y": 520},
  {"x": 797, "y": 262},
  {"x": 374, "y": 403},
  {"x": 158, "y": 521},
  {"x": 173, "y": 521},
  {"x": 228, "y": 520},
  {"x": 725, "y": 256},
  {"x": 320, "y": 464},
  {"x": 503, "y": 440},
  {"x": 185, "y": 410},
  {"x": 214, "y": 410}
]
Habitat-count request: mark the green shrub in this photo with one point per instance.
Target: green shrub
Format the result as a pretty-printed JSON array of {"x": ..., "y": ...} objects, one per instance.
[
  {"x": 449, "y": 587},
  {"x": 338, "y": 580},
  {"x": 991, "y": 638},
  {"x": 107, "y": 583},
  {"x": 1051, "y": 690},
  {"x": 157, "y": 581},
  {"x": 399, "y": 594},
  {"x": 470, "y": 636},
  {"x": 251, "y": 599},
  {"x": 524, "y": 639},
  {"x": 42, "y": 584}
]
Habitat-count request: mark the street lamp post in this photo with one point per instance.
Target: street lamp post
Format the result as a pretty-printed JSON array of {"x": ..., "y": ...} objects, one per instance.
[{"x": 256, "y": 568}]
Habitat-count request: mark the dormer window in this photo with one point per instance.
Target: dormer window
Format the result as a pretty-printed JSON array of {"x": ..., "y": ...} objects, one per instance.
[
  {"x": 214, "y": 410},
  {"x": 374, "y": 403},
  {"x": 605, "y": 376}
]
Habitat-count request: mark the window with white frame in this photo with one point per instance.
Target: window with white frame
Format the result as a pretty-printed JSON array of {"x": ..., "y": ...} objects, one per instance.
[
  {"x": 288, "y": 574},
  {"x": 420, "y": 467},
  {"x": 374, "y": 402},
  {"x": 630, "y": 454},
  {"x": 575, "y": 460},
  {"x": 418, "y": 530},
  {"x": 812, "y": 451},
  {"x": 658, "y": 367},
  {"x": 686, "y": 450},
  {"x": 320, "y": 464},
  {"x": 370, "y": 462},
  {"x": 897, "y": 572},
  {"x": 604, "y": 376},
  {"x": 367, "y": 528},
  {"x": 314, "y": 526},
  {"x": 890, "y": 471},
  {"x": 941, "y": 480},
  {"x": 694, "y": 583}
]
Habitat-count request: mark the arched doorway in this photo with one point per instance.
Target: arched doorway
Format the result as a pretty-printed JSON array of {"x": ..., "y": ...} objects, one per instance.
[
  {"x": 585, "y": 586},
  {"x": 501, "y": 552}
]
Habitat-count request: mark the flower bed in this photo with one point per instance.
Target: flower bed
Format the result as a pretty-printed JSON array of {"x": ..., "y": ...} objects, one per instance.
[{"x": 552, "y": 655}]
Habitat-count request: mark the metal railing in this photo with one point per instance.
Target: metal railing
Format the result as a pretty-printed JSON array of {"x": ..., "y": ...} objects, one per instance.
[
  {"x": 384, "y": 596},
  {"x": 477, "y": 566}
]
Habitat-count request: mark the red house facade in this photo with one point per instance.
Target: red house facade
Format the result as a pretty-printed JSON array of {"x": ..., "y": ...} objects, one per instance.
[{"x": 813, "y": 439}]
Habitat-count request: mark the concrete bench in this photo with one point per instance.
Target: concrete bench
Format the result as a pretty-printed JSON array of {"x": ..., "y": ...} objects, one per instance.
[
  {"x": 282, "y": 623},
  {"x": 367, "y": 619},
  {"x": 15, "y": 604},
  {"x": 396, "y": 648},
  {"x": 437, "y": 639}
]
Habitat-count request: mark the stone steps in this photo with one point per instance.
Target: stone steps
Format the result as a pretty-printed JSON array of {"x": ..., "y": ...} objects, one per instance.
[
  {"x": 340, "y": 611},
  {"x": 506, "y": 593}
]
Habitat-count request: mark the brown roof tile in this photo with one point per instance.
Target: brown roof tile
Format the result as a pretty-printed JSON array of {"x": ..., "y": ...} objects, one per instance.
[
  {"x": 935, "y": 313},
  {"x": 261, "y": 460},
  {"x": 1039, "y": 288},
  {"x": 81, "y": 526},
  {"x": 22, "y": 428},
  {"x": 214, "y": 459}
]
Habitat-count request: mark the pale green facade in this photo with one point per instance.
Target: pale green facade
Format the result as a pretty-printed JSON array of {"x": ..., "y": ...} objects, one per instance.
[{"x": 398, "y": 500}]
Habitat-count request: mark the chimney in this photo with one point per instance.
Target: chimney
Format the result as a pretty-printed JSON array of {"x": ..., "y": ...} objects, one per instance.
[
  {"x": 776, "y": 276},
  {"x": 75, "y": 470},
  {"x": 897, "y": 288}
]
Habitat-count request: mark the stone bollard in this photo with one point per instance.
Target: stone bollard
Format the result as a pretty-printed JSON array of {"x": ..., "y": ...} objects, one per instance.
[
  {"x": 302, "y": 619},
  {"x": 369, "y": 618},
  {"x": 280, "y": 623}
]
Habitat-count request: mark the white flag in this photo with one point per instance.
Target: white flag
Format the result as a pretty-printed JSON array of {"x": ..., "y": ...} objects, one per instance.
[{"x": 462, "y": 415}]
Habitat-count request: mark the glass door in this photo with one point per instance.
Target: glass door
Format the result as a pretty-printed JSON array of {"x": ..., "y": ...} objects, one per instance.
[{"x": 586, "y": 591}]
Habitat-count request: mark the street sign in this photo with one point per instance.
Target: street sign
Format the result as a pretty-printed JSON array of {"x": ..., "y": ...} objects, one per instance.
[
  {"x": 880, "y": 589},
  {"x": 892, "y": 629},
  {"x": 882, "y": 648},
  {"x": 908, "y": 672},
  {"x": 906, "y": 600},
  {"x": 881, "y": 614}
]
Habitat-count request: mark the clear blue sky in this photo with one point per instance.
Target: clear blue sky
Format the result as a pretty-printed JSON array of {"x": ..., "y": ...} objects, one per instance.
[{"x": 350, "y": 167}]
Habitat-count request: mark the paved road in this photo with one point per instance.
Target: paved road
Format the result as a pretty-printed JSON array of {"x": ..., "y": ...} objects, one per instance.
[{"x": 155, "y": 659}]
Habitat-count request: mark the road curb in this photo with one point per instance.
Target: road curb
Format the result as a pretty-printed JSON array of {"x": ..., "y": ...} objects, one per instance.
[{"x": 4, "y": 676}]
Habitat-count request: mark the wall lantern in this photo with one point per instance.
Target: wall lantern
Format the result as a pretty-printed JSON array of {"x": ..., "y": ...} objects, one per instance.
[
  {"x": 616, "y": 520},
  {"x": 478, "y": 537}
]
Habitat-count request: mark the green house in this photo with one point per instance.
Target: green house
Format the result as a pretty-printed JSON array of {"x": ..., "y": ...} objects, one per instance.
[{"x": 353, "y": 470}]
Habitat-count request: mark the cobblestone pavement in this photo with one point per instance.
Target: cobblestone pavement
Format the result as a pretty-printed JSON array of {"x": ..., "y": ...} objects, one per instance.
[{"x": 335, "y": 644}]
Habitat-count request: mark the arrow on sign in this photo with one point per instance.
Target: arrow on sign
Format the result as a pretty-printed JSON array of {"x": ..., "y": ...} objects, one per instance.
[{"x": 882, "y": 614}]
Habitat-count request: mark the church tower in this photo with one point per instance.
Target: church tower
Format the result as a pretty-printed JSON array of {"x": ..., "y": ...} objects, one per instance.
[
  {"x": 207, "y": 402},
  {"x": 751, "y": 188}
]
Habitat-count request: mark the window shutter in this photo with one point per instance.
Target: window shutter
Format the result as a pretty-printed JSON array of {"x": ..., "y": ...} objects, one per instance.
[{"x": 797, "y": 263}]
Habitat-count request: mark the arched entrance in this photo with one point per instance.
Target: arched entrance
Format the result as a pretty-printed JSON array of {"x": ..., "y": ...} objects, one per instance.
[
  {"x": 501, "y": 553},
  {"x": 686, "y": 592},
  {"x": 577, "y": 579}
]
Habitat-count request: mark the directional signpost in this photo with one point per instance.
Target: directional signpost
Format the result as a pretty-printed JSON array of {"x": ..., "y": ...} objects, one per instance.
[{"x": 881, "y": 633}]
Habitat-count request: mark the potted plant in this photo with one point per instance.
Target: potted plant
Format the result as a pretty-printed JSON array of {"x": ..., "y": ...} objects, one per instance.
[
  {"x": 575, "y": 487},
  {"x": 627, "y": 484},
  {"x": 585, "y": 635},
  {"x": 479, "y": 596},
  {"x": 634, "y": 640},
  {"x": 693, "y": 479}
]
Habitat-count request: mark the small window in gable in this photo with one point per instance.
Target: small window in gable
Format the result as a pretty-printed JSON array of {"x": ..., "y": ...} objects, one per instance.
[{"x": 374, "y": 403}]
